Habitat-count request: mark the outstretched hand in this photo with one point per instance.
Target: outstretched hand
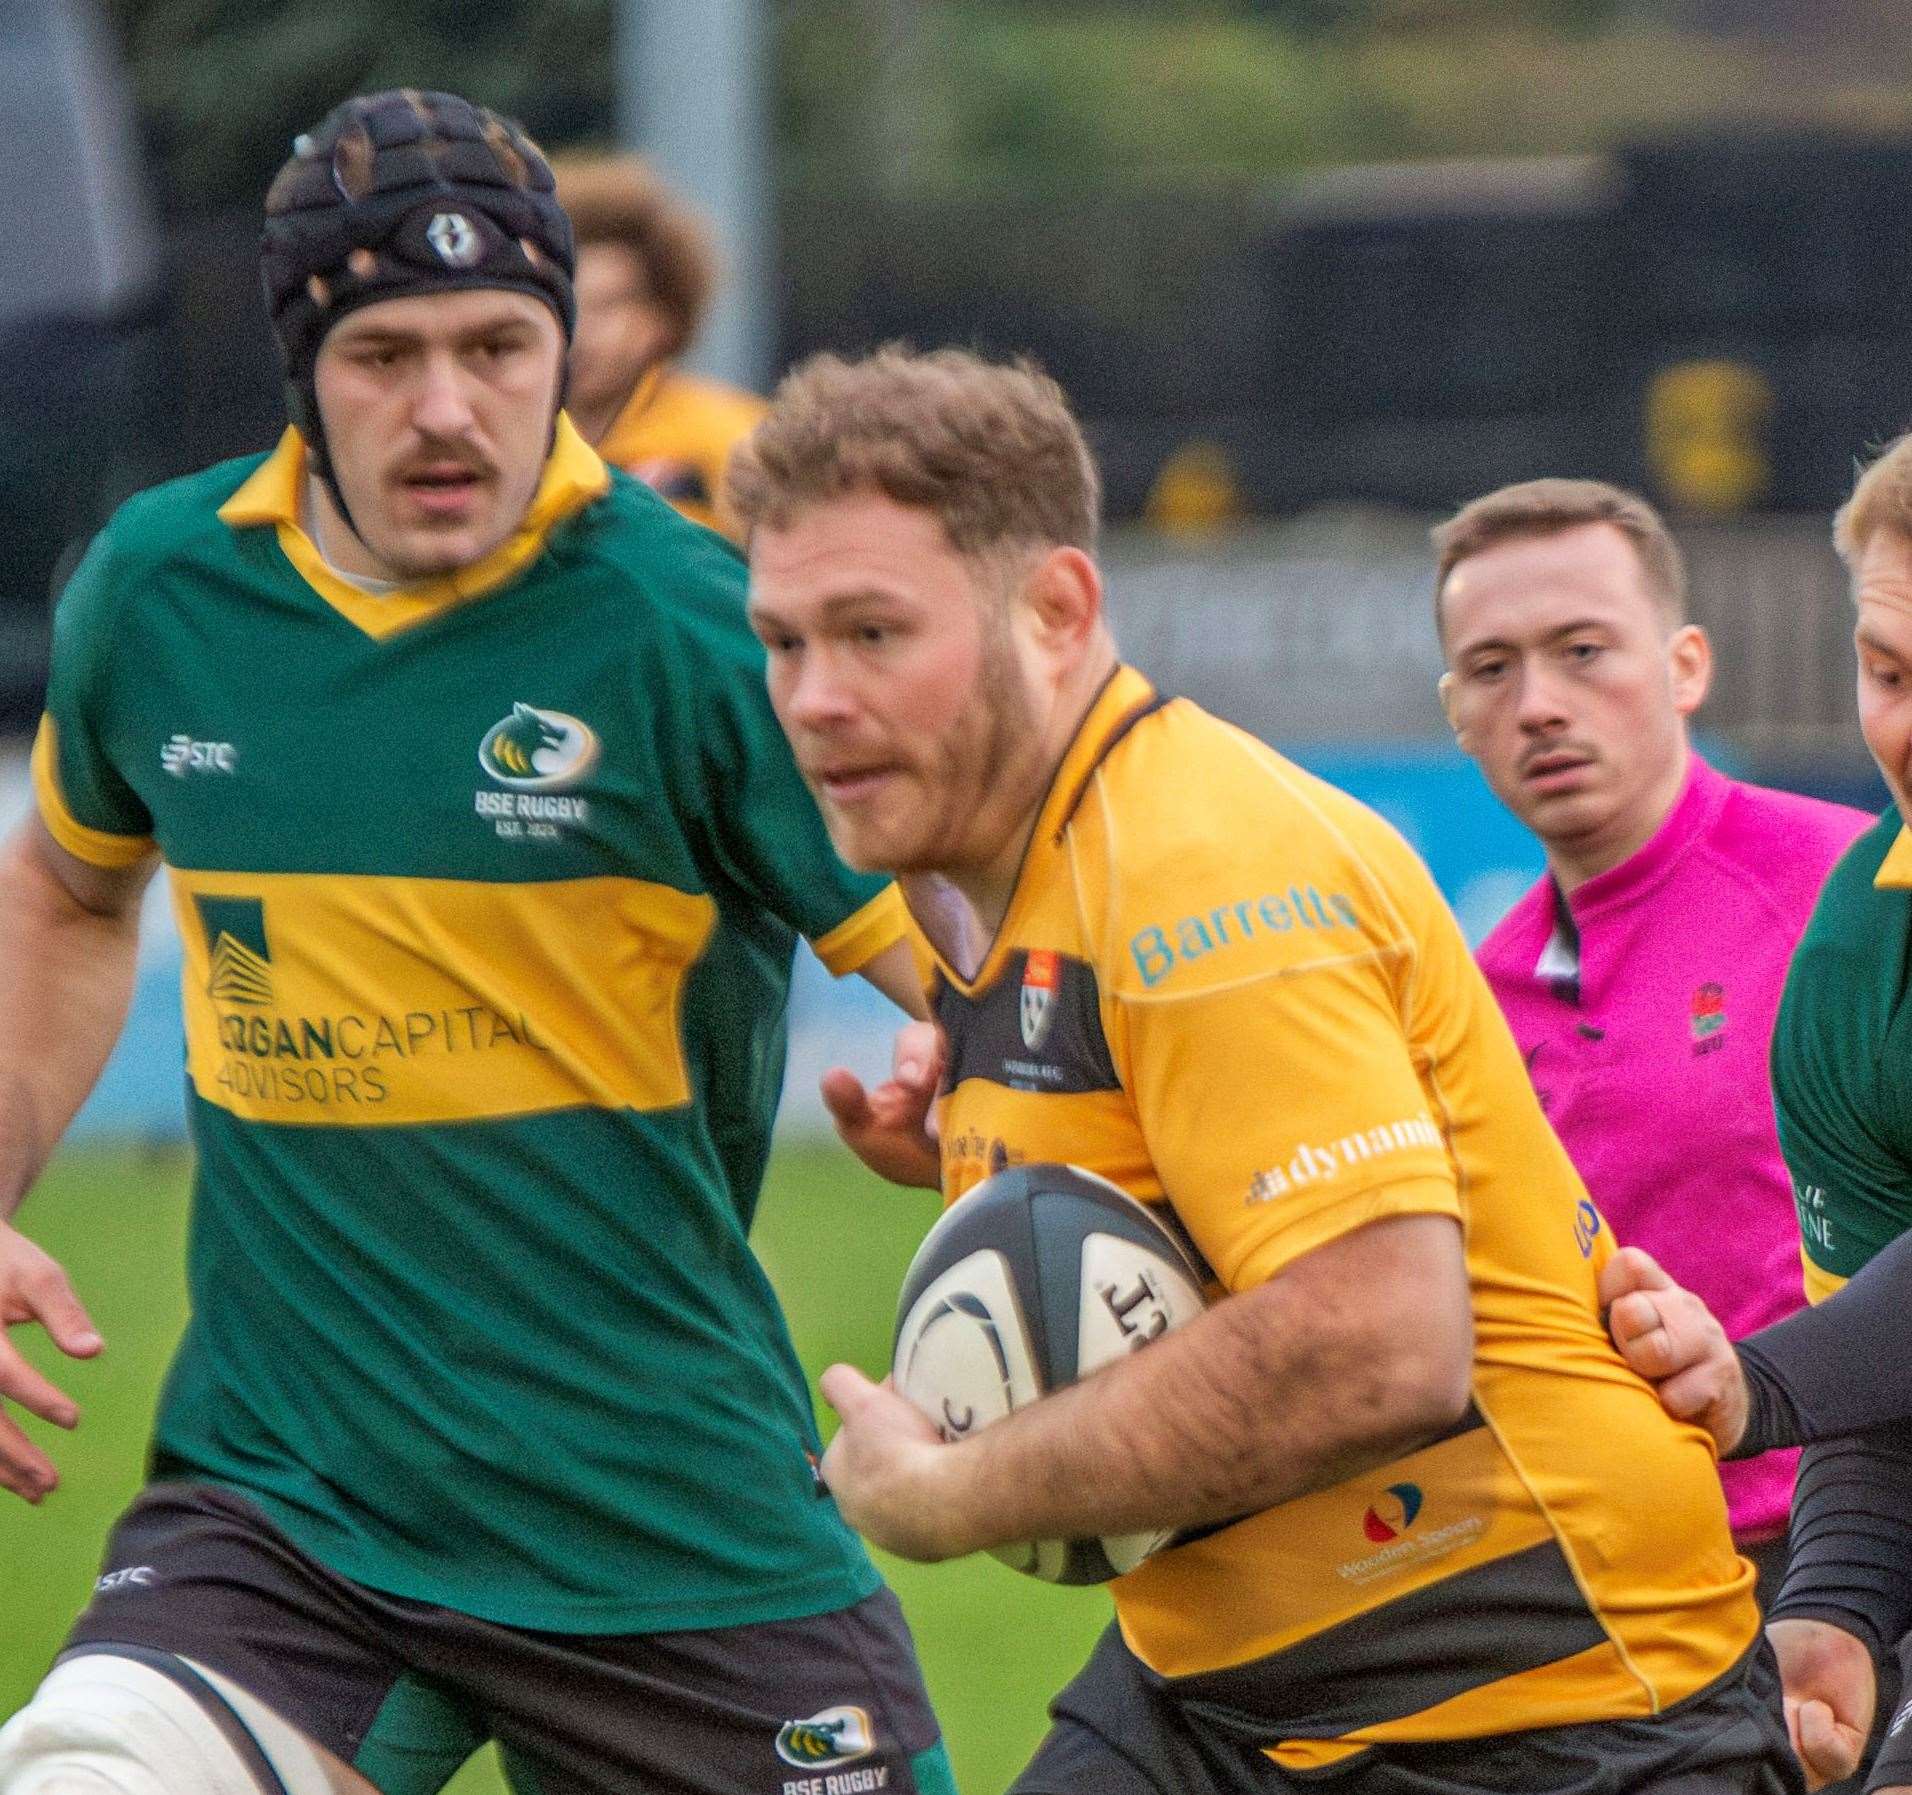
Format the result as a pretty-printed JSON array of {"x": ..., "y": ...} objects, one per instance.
[
  {"x": 1671, "y": 1339},
  {"x": 891, "y": 1127},
  {"x": 34, "y": 1288}
]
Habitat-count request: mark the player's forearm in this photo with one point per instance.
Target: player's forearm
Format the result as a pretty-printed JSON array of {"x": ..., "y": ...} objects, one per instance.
[
  {"x": 1851, "y": 1537},
  {"x": 1289, "y": 1388},
  {"x": 1799, "y": 1372},
  {"x": 66, "y": 980}
]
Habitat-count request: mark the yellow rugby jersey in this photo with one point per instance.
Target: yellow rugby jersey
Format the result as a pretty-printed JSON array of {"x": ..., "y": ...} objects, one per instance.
[
  {"x": 677, "y": 433},
  {"x": 1235, "y": 991}
]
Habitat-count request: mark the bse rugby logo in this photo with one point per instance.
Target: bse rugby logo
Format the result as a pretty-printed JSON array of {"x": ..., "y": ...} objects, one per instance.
[
  {"x": 538, "y": 751},
  {"x": 1041, "y": 980},
  {"x": 836, "y": 1736}
]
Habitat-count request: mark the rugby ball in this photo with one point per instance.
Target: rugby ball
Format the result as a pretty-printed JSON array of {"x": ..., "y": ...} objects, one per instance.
[{"x": 1035, "y": 1278}]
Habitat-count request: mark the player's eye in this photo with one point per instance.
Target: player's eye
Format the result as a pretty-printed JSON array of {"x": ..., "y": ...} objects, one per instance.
[
  {"x": 1584, "y": 653},
  {"x": 1886, "y": 678}
]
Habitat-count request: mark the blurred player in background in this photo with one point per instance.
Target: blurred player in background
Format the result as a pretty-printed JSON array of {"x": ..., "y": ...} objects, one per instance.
[
  {"x": 1439, "y": 1540},
  {"x": 1642, "y": 973},
  {"x": 1839, "y": 1378},
  {"x": 488, "y": 859},
  {"x": 647, "y": 272}
]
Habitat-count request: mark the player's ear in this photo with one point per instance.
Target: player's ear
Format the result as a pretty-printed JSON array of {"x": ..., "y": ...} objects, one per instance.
[
  {"x": 1449, "y": 709},
  {"x": 1689, "y": 660},
  {"x": 1064, "y": 594}
]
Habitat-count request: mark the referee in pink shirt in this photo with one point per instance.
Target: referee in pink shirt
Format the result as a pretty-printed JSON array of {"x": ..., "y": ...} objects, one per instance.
[{"x": 1642, "y": 973}]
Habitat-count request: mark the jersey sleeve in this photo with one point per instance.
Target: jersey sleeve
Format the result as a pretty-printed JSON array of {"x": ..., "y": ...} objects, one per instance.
[
  {"x": 1260, "y": 1027},
  {"x": 758, "y": 816},
  {"x": 83, "y": 796},
  {"x": 1851, "y": 1178}
]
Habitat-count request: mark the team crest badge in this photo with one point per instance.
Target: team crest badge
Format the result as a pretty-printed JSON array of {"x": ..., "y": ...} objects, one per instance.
[
  {"x": 538, "y": 751},
  {"x": 454, "y": 239},
  {"x": 836, "y": 1736},
  {"x": 1709, "y": 1018},
  {"x": 1041, "y": 980}
]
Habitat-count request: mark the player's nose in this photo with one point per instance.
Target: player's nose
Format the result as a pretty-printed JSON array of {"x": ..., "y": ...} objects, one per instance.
[
  {"x": 440, "y": 405},
  {"x": 1539, "y": 703},
  {"x": 818, "y": 695}
]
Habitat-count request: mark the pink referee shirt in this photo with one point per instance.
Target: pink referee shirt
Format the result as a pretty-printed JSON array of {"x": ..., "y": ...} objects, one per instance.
[{"x": 1644, "y": 1006}]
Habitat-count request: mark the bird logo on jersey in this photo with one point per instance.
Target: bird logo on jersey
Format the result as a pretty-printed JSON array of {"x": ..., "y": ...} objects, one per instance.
[
  {"x": 833, "y": 1737},
  {"x": 537, "y": 750},
  {"x": 1041, "y": 980}
]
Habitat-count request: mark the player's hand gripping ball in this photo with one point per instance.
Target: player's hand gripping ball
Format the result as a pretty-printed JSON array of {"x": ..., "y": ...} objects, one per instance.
[{"x": 1037, "y": 1277}]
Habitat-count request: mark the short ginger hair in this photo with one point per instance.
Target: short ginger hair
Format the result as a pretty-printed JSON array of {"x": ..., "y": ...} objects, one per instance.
[
  {"x": 1546, "y": 507},
  {"x": 621, "y": 200},
  {"x": 1881, "y": 500},
  {"x": 991, "y": 449}
]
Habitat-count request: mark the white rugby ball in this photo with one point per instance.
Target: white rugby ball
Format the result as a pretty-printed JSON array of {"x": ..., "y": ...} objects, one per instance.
[{"x": 1037, "y": 1277}]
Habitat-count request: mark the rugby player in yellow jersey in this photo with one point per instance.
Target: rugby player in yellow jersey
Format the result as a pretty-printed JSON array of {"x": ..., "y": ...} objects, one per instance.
[
  {"x": 647, "y": 275},
  {"x": 1437, "y": 1537}
]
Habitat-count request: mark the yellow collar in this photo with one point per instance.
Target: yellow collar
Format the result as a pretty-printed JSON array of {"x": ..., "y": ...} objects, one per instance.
[
  {"x": 1895, "y": 870},
  {"x": 573, "y": 478}
]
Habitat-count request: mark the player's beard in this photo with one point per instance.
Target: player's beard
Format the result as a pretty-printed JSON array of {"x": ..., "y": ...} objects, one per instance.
[{"x": 984, "y": 775}]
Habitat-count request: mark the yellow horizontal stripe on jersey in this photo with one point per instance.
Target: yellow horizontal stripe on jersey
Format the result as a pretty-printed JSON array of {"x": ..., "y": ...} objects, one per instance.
[
  {"x": 573, "y": 477},
  {"x": 860, "y": 937},
  {"x": 1820, "y": 1283},
  {"x": 348, "y": 1001},
  {"x": 1272, "y": 1582},
  {"x": 98, "y": 847}
]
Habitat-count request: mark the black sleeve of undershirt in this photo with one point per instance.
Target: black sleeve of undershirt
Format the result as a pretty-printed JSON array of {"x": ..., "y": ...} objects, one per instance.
[
  {"x": 1851, "y": 1540},
  {"x": 1892, "y": 1768},
  {"x": 1835, "y": 1369}
]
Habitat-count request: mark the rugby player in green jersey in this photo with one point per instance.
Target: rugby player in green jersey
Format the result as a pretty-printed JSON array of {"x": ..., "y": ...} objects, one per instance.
[
  {"x": 488, "y": 859},
  {"x": 1836, "y": 1378}
]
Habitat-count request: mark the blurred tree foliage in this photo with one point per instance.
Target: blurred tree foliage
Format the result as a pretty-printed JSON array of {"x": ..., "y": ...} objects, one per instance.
[
  {"x": 983, "y": 94},
  {"x": 223, "y": 85}
]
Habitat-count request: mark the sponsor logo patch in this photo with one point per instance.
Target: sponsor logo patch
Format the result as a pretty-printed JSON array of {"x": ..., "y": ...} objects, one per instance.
[
  {"x": 337, "y": 1059},
  {"x": 237, "y": 950},
  {"x": 1392, "y": 1513},
  {"x": 137, "y": 1576},
  {"x": 180, "y": 755},
  {"x": 1392, "y": 1524},
  {"x": 454, "y": 240},
  {"x": 1314, "y": 1161},
  {"x": 836, "y": 1736}
]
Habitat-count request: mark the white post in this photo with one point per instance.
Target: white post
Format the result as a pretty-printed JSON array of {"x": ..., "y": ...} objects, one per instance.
[{"x": 693, "y": 98}]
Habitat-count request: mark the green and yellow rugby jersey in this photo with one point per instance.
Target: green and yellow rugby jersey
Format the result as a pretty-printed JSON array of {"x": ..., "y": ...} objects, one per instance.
[
  {"x": 1235, "y": 992},
  {"x": 1842, "y": 1047},
  {"x": 488, "y": 890}
]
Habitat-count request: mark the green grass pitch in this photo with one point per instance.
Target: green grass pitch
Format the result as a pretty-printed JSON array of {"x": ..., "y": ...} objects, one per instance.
[{"x": 994, "y": 1645}]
